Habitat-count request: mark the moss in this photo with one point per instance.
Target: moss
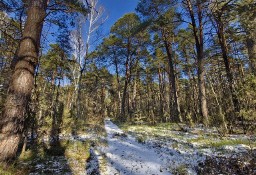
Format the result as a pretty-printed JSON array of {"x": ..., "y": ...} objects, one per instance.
[
  {"x": 175, "y": 145},
  {"x": 216, "y": 143},
  {"x": 123, "y": 126},
  {"x": 77, "y": 154},
  {"x": 180, "y": 170},
  {"x": 232, "y": 142},
  {"x": 27, "y": 155},
  {"x": 13, "y": 170},
  {"x": 71, "y": 155},
  {"x": 141, "y": 139},
  {"x": 200, "y": 139}
]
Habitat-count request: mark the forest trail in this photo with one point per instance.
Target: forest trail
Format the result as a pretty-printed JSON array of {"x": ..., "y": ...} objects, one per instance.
[{"x": 126, "y": 156}]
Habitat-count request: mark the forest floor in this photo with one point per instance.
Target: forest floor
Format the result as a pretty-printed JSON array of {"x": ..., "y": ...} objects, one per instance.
[
  {"x": 164, "y": 149},
  {"x": 144, "y": 150}
]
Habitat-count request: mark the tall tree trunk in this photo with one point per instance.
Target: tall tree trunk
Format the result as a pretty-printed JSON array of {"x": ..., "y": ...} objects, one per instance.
[
  {"x": 103, "y": 96},
  {"x": 127, "y": 80},
  {"x": 249, "y": 28},
  {"x": 122, "y": 117},
  {"x": 173, "y": 88},
  {"x": 21, "y": 85},
  {"x": 189, "y": 91},
  {"x": 202, "y": 92},
  {"x": 78, "y": 95},
  {"x": 161, "y": 90},
  {"x": 195, "y": 97},
  {"x": 224, "y": 49},
  {"x": 134, "y": 95},
  {"x": 54, "y": 136},
  {"x": 251, "y": 47},
  {"x": 40, "y": 112},
  {"x": 118, "y": 86},
  {"x": 198, "y": 35},
  {"x": 220, "y": 111}
]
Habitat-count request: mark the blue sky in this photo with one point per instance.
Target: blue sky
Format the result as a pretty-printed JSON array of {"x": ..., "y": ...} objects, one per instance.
[{"x": 116, "y": 9}]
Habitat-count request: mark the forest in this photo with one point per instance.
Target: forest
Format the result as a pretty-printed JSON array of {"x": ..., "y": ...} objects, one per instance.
[{"x": 174, "y": 77}]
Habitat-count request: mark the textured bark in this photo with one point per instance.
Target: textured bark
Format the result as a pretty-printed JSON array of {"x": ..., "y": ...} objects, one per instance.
[
  {"x": 161, "y": 93},
  {"x": 55, "y": 130},
  {"x": 248, "y": 25},
  {"x": 118, "y": 86},
  {"x": 202, "y": 92},
  {"x": 22, "y": 81},
  {"x": 251, "y": 47},
  {"x": 103, "y": 96},
  {"x": 224, "y": 50},
  {"x": 173, "y": 89},
  {"x": 135, "y": 93},
  {"x": 198, "y": 35},
  {"x": 127, "y": 81},
  {"x": 122, "y": 117},
  {"x": 78, "y": 95}
]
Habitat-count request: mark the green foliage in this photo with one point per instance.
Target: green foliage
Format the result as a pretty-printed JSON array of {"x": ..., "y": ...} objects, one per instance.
[
  {"x": 175, "y": 145},
  {"x": 77, "y": 6},
  {"x": 130, "y": 69},
  {"x": 220, "y": 143},
  {"x": 55, "y": 62},
  {"x": 180, "y": 170},
  {"x": 231, "y": 142},
  {"x": 141, "y": 139},
  {"x": 247, "y": 95},
  {"x": 77, "y": 154},
  {"x": 247, "y": 14},
  {"x": 13, "y": 170},
  {"x": 71, "y": 155},
  {"x": 126, "y": 25},
  {"x": 28, "y": 155}
]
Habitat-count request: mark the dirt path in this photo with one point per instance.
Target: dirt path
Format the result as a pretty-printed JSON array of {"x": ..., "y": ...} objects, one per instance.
[{"x": 127, "y": 156}]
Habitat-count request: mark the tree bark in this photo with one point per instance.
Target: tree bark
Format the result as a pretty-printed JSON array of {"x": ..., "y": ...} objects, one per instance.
[
  {"x": 176, "y": 117},
  {"x": 118, "y": 85},
  {"x": 220, "y": 111},
  {"x": 251, "y": 47},
  {"x": 198, "y": 35},
  {"x": 54, "y": 136},
  {"x": 172, "y": 78},
  {"x": 202, "y": 92},
  {"x": 21, "y": 85},
  {"x": 161, "y": 92},
  {"x": 127, "y": 80},
  {"x": 122, "y": 117},
  {"x": 189, "y": 91},
  {"x": 250, "y": 40},
  {"x": 224, "y": 50},
  {"x": 135, "y": 93}
]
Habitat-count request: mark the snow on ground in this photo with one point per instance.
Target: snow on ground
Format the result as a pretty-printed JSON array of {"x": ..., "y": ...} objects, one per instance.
[
  {"x": 147, "y": 150},
  {"x": 54, "y": 165},
  {"x": 170, "y": 152},
  {"x": 206, "y": 141},
  {"x": 126, "y": 156}
]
